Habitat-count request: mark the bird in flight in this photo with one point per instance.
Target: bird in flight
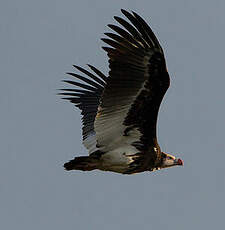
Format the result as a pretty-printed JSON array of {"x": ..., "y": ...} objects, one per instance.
[{"x": 119, "y": 111}]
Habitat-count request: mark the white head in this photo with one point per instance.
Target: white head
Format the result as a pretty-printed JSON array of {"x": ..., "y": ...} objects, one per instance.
[{"x": 169, "y": 161}]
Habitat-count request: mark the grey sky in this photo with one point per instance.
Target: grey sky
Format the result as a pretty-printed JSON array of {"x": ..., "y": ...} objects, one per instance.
[{"x": 39, "y": 42}]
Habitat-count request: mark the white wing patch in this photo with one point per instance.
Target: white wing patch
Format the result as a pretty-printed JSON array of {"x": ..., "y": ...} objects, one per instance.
[
  {"x": 108, "y": 123},
  {"x": 118, "y": 159},
  {"x": 90, "y": 142}
]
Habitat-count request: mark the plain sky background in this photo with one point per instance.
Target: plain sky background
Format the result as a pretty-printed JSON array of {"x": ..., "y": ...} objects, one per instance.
[{"x": 39, "y": 42}]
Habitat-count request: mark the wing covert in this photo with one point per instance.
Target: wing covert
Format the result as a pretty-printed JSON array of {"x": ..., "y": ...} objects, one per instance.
[{"x": 137, "y": 82}]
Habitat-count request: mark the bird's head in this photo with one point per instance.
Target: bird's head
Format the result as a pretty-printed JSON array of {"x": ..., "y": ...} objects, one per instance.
[{"x": 169, "y": 161}]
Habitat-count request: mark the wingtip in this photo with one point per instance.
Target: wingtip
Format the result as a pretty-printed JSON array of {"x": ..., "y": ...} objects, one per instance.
[
  {"x": 71, "y": 74},
  {"x": 110, "y": 26},
  {"x": 59, "y": 94},
  {"x": 90, "y": 66},
  {"x": 63, "y": 94},
  {"x": 133, "y": 12},
  {"x": 76, "y": 66},
  {"x": 63, "y": 98},
  {"x": 117, "y": 18},
  {"x": 124, "y": 12}
]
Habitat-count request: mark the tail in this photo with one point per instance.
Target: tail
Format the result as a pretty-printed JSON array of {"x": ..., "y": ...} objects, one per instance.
[{"x": 84, "y": 163}]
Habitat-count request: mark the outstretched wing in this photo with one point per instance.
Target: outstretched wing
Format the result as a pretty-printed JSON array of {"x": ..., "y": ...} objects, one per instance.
[
  {"x": 86, "y": 98},
  {"x": 137, "y": 82}
]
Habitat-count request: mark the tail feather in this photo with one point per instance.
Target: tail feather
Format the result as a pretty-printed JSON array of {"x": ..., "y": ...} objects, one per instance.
[{"x": 84, "y": 163}]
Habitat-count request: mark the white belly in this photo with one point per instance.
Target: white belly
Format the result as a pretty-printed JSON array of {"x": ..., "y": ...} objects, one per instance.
[{"x": 118, "y": 159}]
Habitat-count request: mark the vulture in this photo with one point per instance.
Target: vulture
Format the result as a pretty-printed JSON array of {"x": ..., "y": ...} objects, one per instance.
[{"x": 119, "y": 111}]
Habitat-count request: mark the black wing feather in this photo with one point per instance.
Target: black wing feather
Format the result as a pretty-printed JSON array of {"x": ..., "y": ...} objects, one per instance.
[
  {"x": 87, "y": 96},
  {"x": 138, "y": 78}
]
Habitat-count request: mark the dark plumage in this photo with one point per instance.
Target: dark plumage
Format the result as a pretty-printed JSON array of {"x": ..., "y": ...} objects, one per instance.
[{"x": 120, "y": 111}]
